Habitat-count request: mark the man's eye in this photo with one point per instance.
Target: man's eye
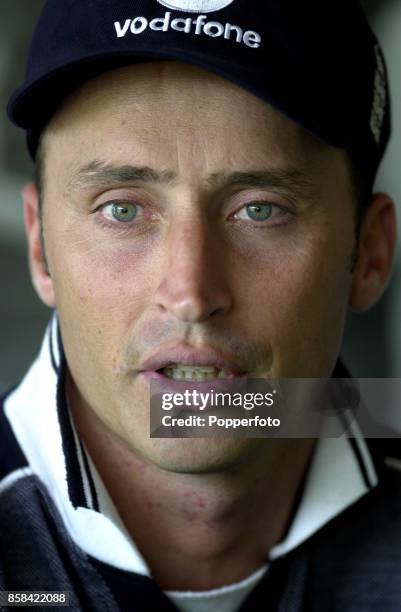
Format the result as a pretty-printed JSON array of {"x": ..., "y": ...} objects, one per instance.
[
  {"x": 123, "y": 212},
  {"x": 257, "y": 211}
]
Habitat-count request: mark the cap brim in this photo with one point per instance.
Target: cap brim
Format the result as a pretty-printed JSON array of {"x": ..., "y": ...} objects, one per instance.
[{"x": 46, "y": 93}]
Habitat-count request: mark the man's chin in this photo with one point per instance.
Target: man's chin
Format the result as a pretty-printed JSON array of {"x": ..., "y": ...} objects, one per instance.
[{"x": 200, "y": 455}]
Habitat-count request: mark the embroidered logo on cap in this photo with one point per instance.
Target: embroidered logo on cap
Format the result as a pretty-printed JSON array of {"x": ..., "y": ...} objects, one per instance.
[
  {"x": 196, "y": 6},
  {"x": 198, "y": 27}
]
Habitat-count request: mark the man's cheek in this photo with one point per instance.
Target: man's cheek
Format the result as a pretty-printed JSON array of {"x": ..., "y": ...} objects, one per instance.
[{"x": 108, "y": 283}]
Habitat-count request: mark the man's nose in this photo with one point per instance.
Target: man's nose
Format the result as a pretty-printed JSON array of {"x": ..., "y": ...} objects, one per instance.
[{"x": 194, "y": 283}]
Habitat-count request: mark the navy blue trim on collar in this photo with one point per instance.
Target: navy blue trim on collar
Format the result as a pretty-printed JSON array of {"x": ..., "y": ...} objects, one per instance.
[
  {"x": 51, "y": 350},
  {"x": 361, "y": 463},
  {"x": 75, "y": 477},
  {"x": 76, "y": 490},
  {"x": 94, "y": 498},
  {"x": 340, "y": 371}
]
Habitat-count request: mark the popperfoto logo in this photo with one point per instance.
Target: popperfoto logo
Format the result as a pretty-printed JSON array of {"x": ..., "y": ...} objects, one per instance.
[
  {"x": 187, "y": 25},
  {"x": 196, "y": 6}
]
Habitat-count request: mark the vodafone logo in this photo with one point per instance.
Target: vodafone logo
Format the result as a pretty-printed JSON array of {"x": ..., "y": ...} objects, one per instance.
[
  {"x": 196, "y": 6},
  {"x": 200, "y": 26}
]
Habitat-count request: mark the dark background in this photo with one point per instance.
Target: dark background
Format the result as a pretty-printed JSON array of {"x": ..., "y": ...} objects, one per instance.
[{"x": 372, "y": 345}]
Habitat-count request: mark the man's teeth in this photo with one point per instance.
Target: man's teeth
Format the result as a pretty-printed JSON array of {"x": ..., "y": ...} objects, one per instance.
[{"x": 197, "y": 373}]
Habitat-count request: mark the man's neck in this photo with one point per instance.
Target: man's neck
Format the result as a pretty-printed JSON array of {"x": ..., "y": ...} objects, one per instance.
[{"x": 200, "y": 531}]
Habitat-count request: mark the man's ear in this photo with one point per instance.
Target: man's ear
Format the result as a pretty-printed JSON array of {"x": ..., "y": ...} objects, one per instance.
[
  {"x": 37, "y": 259},
  {"x": 376, "y": 253}
]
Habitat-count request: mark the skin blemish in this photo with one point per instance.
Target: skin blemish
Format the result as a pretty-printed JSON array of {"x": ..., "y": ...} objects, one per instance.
[
  {"x": 191, "y": 517},
  {"x": 195, "y": 499}
]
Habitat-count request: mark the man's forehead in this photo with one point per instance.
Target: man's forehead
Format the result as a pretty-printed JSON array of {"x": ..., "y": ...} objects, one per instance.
[
  {"x": 186, "y": 92},
  {"x": 151, "y": 104}
]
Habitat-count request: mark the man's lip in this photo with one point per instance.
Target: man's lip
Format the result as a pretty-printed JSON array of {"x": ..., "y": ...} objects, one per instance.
[
  {"x": 206, "y": 356},
  {"x": 159, "y": 383}
]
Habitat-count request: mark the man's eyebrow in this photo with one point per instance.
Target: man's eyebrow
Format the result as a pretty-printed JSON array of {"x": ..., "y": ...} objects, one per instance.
[
  {"x": 98, "y": 174},
  {"x": 291, "y": 181}
]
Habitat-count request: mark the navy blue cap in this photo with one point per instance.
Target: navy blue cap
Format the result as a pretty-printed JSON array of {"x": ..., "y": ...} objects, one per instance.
[{"x": 317, "y": 62}]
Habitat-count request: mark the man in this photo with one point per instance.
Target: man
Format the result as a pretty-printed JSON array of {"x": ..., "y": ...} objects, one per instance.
[{"x": 202, "y": 210}]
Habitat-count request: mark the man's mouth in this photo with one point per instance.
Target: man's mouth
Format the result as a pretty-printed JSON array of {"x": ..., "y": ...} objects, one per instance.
[
  {"x": 184, "y": 372},
  {"x": 183, "y": 363}
]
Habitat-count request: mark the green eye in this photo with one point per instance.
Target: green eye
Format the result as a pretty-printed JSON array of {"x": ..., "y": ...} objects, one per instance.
[
  {"x": 259, "y": 212},
  {"x": 124, "y": 212}
]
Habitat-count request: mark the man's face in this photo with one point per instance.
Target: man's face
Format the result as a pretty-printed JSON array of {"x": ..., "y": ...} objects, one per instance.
[{"x": 183, "y": 216}]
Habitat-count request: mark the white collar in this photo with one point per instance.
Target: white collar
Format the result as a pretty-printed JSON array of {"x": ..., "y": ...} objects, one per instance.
[{"x": 340, "y": 473}]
